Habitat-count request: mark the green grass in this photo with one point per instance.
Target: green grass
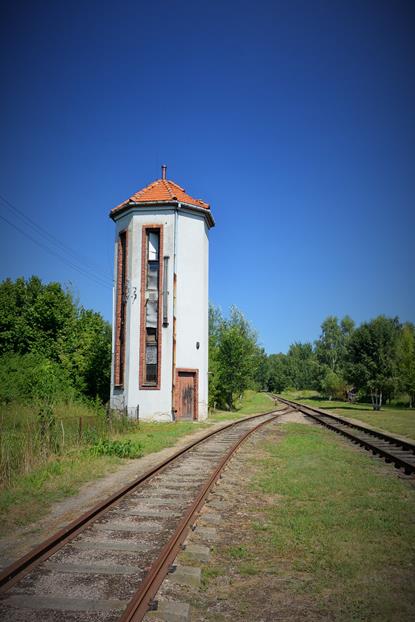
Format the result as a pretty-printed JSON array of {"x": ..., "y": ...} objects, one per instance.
[
  {"x": 33, "y": 433},
  {"x": 29, "y": 496},
  {"x": 341, "y": 520},
  {"x": 30, "y": 492},
  {"x": 390, "y": 418},
  {"x": 252, "y": 403},
  {"x": 156, "y": 436}
]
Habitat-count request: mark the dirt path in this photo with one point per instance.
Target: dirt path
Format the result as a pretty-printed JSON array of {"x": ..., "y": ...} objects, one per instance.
[{"x": 12, "y": 547}]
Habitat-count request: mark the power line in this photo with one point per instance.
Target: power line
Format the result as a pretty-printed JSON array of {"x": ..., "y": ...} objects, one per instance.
[
  {"x": 85, "y": 273},
  {"x": 61, "y": 246}
]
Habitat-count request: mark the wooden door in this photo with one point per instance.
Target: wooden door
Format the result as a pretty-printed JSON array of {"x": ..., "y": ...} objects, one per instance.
[{"x": 186, "y": 395}]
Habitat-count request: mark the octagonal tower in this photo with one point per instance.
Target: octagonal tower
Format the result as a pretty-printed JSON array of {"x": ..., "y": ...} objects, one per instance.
[{"x": 160, "y": 327}]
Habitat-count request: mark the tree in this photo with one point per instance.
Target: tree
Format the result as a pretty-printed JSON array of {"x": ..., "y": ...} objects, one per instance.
[
  {"x": 331, "y": 349},
  {"x": 234, "y": 357},
  {"x": 331, "y": 346},
  {"x": 36, "y": 317},
  {"x": 406, "y": 361},
  {"x": 215, "y": 323},
  {"x": 88, "y": 360},
  {"x": 277, "y": 373},
  {"x": 261, "y": 369},
  {"x": 302, "y": 366},
  {"x": 332, "y": 384},
  {"x": 371, "y": 356},
  {"x": 43, "y": 319}
]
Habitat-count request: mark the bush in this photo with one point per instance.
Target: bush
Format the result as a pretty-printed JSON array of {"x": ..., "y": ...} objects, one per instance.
[
  {"x": 28, "y": 377},
  {"x": 122, "y": 449}
]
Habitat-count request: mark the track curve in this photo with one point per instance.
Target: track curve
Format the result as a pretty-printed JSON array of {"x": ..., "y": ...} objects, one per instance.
[
  {"x": 393, "y": 449},
  {"x": 108, "y": 564}
]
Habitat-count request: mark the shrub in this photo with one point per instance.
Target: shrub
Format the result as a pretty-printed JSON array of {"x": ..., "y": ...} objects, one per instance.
[
  {"x": 122, "y": 449},
  {"x": 27, "y": 377}
]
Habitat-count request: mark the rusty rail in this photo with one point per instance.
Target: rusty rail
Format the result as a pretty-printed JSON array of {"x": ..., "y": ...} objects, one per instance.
[
  {"x": 18, "y": 569},
  {"x": 393, "y": 449},
  {"x": 139, "y": 604}
]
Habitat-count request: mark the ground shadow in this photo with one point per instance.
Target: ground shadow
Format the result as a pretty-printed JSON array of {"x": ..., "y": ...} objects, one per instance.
[{"x": 368, "y": 408}]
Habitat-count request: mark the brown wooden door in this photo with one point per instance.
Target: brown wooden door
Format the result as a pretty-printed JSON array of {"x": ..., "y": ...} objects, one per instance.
[{"x": 186, "y": 395}]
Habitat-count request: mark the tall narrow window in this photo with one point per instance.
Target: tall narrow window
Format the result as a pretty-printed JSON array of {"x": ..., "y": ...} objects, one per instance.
[
  {"x": 165, "y": 290},
  {"x": 121, "y": 310},
  {"x": 150, "y": 340}
]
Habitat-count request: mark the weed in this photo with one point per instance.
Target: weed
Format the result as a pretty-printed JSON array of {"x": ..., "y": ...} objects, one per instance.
[
  {"x": 122, "y": 449},
  {"x": 209, "y": 573},
  {"x": 238, "y": 552},
  {"x": 248, "y": 570}
]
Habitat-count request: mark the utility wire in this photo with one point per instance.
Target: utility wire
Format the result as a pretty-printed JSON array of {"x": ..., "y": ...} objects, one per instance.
[
  {"x": 61, "y": 246},
  {"x": 85, "y": 273}
]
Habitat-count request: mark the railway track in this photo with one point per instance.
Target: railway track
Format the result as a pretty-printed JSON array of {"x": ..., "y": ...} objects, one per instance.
[
  {"x": 393, "y": 449},
  {"x": 108, "y": 564}
]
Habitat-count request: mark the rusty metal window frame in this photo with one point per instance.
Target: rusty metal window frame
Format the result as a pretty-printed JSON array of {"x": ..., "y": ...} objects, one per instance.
[
  {"x": 121, "y": 309},
  {"x": 152, "y": 333}
]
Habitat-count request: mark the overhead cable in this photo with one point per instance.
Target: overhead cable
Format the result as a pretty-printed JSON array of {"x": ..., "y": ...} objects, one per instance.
[
  {"x": 98, "y": 280},
  {"x": 61, "y": 246}
]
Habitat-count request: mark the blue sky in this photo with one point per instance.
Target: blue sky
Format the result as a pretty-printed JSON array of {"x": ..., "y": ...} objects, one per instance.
[{"x": 294, "y": 120}]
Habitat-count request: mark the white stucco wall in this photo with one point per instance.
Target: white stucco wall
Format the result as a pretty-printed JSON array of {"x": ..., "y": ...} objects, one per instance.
[
  {"x": 192, "y": 301},
  {"x": 191, "y": 310}
]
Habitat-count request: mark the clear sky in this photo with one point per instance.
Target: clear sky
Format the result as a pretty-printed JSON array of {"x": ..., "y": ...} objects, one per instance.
[{"x": 294, "y": 120}]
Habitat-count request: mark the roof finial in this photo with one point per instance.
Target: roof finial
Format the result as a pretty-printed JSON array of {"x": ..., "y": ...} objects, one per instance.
[{"x": 163, "y": 171}]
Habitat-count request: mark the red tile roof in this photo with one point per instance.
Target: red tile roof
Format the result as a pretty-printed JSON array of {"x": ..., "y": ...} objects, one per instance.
[{"x": 161, "y": 191}]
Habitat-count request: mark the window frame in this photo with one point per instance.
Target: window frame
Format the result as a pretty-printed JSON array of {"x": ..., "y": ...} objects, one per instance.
[
  {"x": 143, "y": 383},
  {"x": 121, "y": 310}
]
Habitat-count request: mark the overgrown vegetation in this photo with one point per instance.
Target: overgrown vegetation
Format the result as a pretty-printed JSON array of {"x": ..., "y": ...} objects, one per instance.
[
  {"x": 51, "y": 347},
  {"x": 54, "y": 375},
  {"x": 32, "y": 493},
  {"x": 32, "y": 435}
]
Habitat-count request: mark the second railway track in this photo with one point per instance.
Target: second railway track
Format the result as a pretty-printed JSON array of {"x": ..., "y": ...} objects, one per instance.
[
  {"x": 393, "y": 449},
  {"x": 107, "y": 565}
]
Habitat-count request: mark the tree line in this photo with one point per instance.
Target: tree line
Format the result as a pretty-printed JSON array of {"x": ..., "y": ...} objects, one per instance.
[
  {"x": 371, "y": 362},
  {"x": 50, "y": 346},
  {"x": 374, "y": 361}
]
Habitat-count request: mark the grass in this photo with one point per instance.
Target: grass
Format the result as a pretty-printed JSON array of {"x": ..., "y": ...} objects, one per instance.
[
  {"x": 36, "y": 480},
  {"x": 321, "y": 531},
  {"x": 156, "y": 436},
  {"x": 29, "y": 496},
  {"x": 251, "y": 403},
  {"x": 390, "y": 418},
  {"x": 33, "y": 433},
  {"x": 344, "y": 521}
]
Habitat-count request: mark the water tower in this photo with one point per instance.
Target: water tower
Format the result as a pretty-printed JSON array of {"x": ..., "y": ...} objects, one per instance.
[{"x": 160, "y": 327}]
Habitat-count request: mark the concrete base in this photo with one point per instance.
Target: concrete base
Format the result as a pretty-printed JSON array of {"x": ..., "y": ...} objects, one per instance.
[
  {"x": 170, "y": 611},
  {"x": 198, "y": 552},
  {"x": 186, "y": 575}
]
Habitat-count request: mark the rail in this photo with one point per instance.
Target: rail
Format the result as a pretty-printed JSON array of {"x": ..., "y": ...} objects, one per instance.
[
  {"x": 208, "y": 455},
  {"x": 393, "y": 449}
]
